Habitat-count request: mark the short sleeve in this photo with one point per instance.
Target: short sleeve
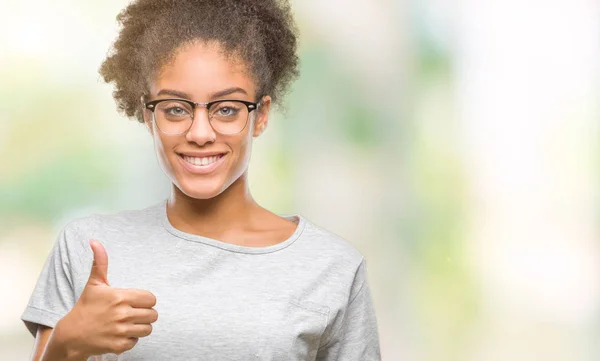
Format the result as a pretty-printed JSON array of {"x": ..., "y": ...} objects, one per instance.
[
  {"x": 356, "y": 337},
  {"x": 53, "y": 295}
]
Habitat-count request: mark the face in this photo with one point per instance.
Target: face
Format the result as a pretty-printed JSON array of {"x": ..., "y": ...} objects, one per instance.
[{"x": 201, "y": 73}]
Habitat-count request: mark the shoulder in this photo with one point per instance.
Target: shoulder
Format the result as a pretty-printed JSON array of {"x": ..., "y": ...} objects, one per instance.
[
  {"x": 338, "y": 268},
  {"x": 326, "y": 240},
  {"x": 330, "y": 247},
  {"x": 123, "y": 220},
  {"x": 76, "y": 233}
]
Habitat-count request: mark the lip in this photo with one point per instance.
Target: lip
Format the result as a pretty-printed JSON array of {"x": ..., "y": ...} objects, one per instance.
[
  {"x": 200, "y": 154},
  {"x": 201, "y": 170}
]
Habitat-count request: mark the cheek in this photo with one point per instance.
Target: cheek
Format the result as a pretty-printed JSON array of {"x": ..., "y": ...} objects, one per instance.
[
  {"x": 243, "y": 152},
  {"x": 164, "y": 155}
]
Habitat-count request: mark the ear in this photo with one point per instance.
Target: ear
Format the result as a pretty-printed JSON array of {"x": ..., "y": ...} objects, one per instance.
[{"x": 262, "y": 116}]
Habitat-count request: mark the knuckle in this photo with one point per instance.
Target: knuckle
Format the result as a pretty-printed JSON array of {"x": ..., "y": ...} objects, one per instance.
[
  {"x": 120, "y": 329},
  {"x": 121, "y": 314},
  {"x": 118, "y": 298},
  {"x": 116, "y": 348},
  {"x": 121, "y": 346},
  {"x": 131, "y": 342}
]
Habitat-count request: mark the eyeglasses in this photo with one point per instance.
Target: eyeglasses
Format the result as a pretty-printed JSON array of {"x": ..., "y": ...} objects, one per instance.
[{"x": 175, "y": 116}]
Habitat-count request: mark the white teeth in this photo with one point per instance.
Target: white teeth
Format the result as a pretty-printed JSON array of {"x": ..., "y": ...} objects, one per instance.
[{"x": 204, "y": 161}]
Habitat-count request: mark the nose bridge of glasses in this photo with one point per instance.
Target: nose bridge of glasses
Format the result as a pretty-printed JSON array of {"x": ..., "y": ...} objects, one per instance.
[
  {"x": 203, "y": 105},
  {"x": 200, "y": 105},
  {"x": 194, "y": 122}
]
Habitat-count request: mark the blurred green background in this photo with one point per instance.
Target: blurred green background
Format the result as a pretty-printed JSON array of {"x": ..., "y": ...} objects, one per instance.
[{"x": 455, "y": 144}]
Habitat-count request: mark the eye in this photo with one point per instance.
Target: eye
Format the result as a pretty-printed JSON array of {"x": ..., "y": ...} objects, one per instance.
[
  {"x": 227, "y": 111},
  {"x": 176, "y": 111}
]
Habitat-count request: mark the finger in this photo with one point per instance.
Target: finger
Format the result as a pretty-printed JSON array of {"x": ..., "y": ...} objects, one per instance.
[
  {"x": 99, "y": 271},
  {"x": 120, "y": 344},
  {"x": 139, "y": 298},
  {"x": 143, "y": 315},
  {"x": 139, "y": 330}
]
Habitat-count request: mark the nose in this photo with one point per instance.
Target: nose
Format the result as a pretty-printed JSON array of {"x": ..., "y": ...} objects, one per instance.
[{"x": 201, "y": 132}]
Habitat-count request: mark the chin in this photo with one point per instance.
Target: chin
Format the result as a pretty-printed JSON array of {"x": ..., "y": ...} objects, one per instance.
[{"x": 201, "y": 190}]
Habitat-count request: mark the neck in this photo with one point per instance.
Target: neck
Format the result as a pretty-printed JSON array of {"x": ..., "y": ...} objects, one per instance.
[{"x": 230, "y": 209}]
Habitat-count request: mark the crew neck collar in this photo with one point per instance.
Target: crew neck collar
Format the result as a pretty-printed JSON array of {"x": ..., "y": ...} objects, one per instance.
[{"x": 296, "y": 218}]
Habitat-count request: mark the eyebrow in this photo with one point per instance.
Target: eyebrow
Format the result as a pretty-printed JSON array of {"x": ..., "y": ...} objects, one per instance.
[{"x": 218, "y": 94}]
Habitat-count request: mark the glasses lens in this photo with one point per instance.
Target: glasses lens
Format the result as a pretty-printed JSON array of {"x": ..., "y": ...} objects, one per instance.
[
  {"x": 173, "y": 117},
  {"x": 228, "y": 117}
]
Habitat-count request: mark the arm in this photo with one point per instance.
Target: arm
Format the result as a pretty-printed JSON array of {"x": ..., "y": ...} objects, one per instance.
[
  {"x": 356, "y": 336},
  {"x": 48, "y": 347},
  {"x": 53, "y": 297},
  {"x": 101, "y": 320}
]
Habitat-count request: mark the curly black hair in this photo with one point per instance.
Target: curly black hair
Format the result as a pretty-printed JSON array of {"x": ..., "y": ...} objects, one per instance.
[{"x": 261, "y": 32}]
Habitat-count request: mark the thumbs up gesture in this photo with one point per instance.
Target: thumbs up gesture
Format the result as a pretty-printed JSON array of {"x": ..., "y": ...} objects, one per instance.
[{"x": 106, "y": 319}]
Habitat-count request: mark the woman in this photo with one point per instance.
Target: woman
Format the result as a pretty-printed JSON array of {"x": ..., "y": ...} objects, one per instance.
[{"x": 206, "y": 274}]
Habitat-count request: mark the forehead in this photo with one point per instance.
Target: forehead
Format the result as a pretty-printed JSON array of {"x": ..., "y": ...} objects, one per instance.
[{"x": 202, "y": 68}]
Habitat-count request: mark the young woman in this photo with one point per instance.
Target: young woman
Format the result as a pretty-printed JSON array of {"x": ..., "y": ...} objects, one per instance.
[{"x": 207, "y": 273}]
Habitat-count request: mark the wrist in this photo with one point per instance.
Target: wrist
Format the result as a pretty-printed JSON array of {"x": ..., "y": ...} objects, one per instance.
[{"x": 62, "y": 347}]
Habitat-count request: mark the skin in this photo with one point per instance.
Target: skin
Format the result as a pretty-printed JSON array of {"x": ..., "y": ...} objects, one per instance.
[
  {"x": 217, "y": 205},
  {"x": 104, "y": 319}
]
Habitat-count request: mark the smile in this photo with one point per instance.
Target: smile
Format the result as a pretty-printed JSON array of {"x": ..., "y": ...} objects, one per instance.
[
  {"x": 204, "y": 161},
  {"x": 201, "y": 165}
]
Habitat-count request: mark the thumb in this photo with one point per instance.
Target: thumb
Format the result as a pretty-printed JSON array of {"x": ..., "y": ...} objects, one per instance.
[{"x": 99, "y": 271}]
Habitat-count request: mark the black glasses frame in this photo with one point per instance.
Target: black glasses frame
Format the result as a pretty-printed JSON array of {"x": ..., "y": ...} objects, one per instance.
[{"x": 151, "y": 105}]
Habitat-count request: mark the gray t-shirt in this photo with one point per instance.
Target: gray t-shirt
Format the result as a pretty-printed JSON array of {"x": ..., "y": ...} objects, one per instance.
[{"x": 306, "y": 298}]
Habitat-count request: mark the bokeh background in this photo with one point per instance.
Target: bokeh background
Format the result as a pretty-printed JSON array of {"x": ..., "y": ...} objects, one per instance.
[{"x": 455, "y": 144}]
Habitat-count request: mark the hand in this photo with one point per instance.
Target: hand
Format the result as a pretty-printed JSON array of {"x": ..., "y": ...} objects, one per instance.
[{"x": 106, "y": 319}]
